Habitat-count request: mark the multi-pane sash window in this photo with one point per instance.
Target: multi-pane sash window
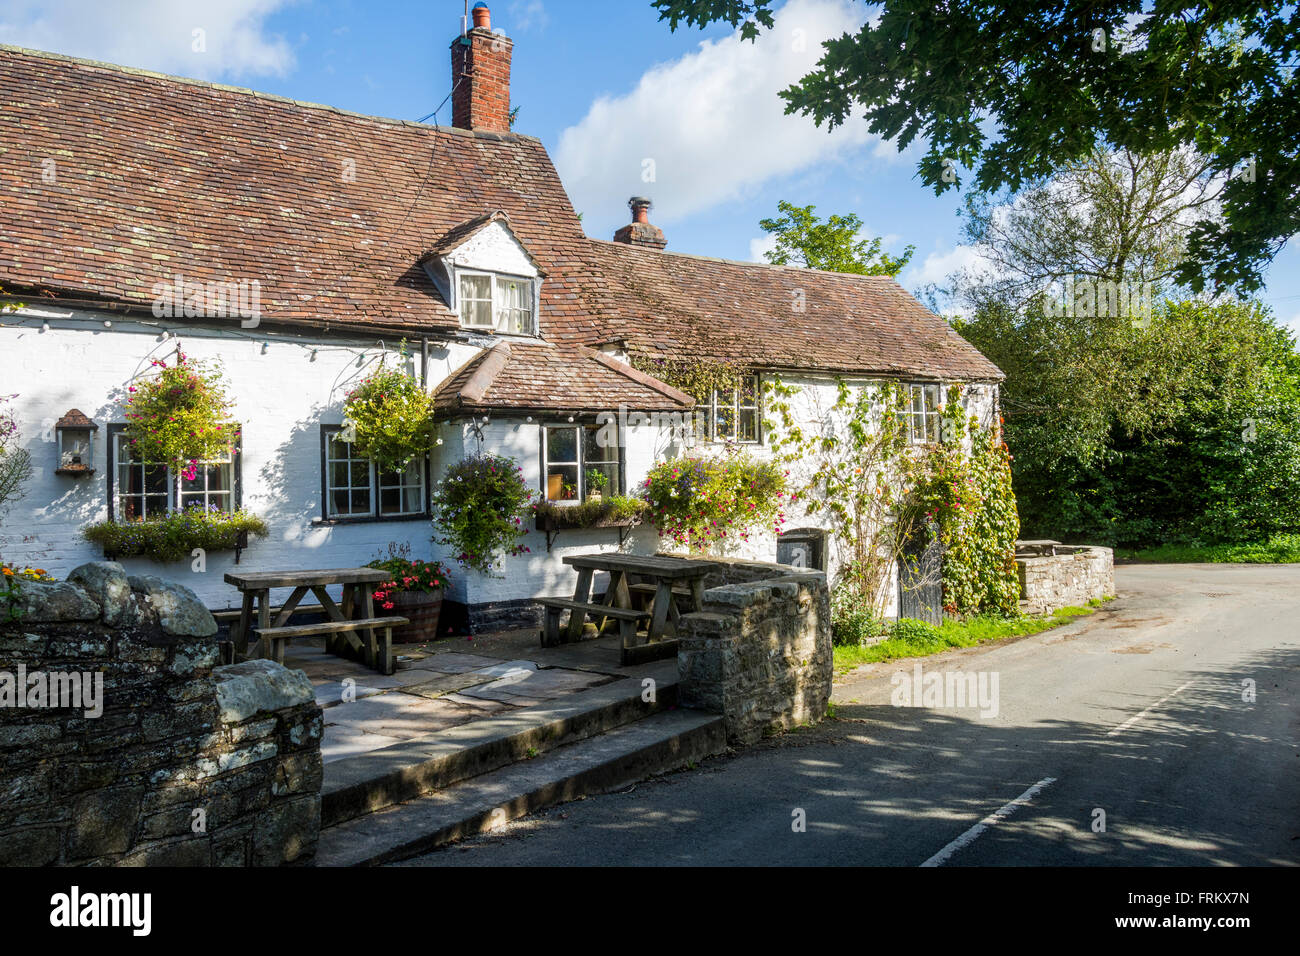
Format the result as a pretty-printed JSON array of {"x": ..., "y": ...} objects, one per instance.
[
  {"x": 504, "y": 303},
  {"x": 923, "y": 414},
  {"x": 573, "y": 458},
  {"x": 148, "y": 490},
  {"x": 733, "y": 413},
  {"x": 356, "y": 488}
]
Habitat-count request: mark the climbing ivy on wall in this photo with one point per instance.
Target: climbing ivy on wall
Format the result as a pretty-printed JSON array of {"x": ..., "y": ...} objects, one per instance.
[
  {"x": 697, "y": 377},
  {"x": 878, "y": 490},
  {"x": 967, "y": 499}
]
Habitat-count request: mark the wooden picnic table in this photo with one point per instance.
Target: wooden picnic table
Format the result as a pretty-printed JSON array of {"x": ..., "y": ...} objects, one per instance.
[
  {"x": 674, "y": 580},
  {"x": 358, "y": 587}
]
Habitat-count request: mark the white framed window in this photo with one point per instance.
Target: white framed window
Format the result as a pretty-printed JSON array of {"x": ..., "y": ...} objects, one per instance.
[
  {"x": 734, "y": 413},
  {"x": 514, "y": 305},
  {"x": 140, "y": 489},
  {"x": 354, "y": 487},
  {"x": 489, "y": 301},
  {"x": 572, "y": 457},
  {"x": 923, "y": 414},
  {"x": 475, "y": 300}
]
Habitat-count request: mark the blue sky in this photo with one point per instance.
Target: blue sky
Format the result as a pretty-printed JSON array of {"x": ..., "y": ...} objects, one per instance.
[{"x": 605, "y": 85}]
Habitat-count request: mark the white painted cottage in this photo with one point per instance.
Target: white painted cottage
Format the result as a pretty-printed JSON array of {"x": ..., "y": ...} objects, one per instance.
[{"x": 298, "y": 245}]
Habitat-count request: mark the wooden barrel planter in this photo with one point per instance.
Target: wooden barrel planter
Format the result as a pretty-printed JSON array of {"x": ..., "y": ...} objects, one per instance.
[{"x": 421, "y": 609}]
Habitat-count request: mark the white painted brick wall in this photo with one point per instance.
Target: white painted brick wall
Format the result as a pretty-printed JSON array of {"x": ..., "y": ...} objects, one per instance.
[{"x": 282, "y": 397}]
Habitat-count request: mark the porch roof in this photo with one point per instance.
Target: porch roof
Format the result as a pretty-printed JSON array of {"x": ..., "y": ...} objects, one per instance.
[{"x": 536, "y": 376}]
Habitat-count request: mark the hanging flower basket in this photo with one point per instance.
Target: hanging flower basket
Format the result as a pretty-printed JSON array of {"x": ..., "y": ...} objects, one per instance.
[
  {"x": 391, "y": 417},
  {"x": 180, "y": 416}
]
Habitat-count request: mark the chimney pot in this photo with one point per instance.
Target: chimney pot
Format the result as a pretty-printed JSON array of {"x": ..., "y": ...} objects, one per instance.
[{"x": 482, "y": 17}]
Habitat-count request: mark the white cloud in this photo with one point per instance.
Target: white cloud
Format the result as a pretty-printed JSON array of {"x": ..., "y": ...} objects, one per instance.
[
  {"x": 155, "y": 34},
  {"x": 941, "y": 264},
  {"x": 709, "y": 126},
  {"x": 525, "y": 15},
  {"x": 761, "y": 245}
]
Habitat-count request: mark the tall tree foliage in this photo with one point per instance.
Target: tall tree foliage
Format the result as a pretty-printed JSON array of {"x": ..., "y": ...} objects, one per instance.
[
  {"x": 1014, "y": 91},
  {"x": 1112, "y": 216},
  {"x": 835, "y": 245}
]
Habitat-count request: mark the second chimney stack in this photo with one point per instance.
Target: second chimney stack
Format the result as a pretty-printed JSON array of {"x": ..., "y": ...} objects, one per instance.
[{"x": 640, "y": 232}]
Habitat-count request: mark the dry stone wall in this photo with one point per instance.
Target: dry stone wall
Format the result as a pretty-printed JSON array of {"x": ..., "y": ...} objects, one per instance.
[
  {"x": 760, "y": 651},
  {"x": 1055, "y": 575},
  {"x": 163, "y": 757}
]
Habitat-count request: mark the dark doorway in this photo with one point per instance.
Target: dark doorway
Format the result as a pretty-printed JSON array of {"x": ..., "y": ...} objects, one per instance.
[
  {"x": 803, "y": 548},
  {"x": 920, "y": 577}
]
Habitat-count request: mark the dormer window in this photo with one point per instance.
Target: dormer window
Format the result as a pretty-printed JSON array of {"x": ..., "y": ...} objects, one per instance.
[
  {"x": 501, "y": 303},
  {"x": 487, "y": 277}
]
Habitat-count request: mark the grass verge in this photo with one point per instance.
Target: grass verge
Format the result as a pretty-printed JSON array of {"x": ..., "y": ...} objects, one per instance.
[
  {"x": 967, "y": 633},
  {"x": 1280, "y": 549}
]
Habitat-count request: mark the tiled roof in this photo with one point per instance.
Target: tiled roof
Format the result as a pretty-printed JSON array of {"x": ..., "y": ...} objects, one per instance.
[
  {"x": 541, "y": 377},
  {"x": 332, "y": 212},
  {"x": 670, "y": 305}
]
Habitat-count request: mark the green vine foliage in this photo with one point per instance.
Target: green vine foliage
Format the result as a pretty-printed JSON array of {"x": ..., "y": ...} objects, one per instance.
[
  {"x": 855, "y": 476},
  {"x": 877, "y": 490},
  {"x": 479, "y": 509},
  {"x": 392, "y": 418},
  {"x": 697, "y": 377},
  {"x": 968, "y": 500},
  {"x": 180, "y": 416}
]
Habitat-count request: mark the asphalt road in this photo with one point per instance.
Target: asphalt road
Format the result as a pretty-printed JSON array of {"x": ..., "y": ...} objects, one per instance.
[{"x": 1136, "y": 711}]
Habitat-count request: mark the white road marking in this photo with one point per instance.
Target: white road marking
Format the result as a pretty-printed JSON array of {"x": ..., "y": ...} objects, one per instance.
[
  {"x": 1138, "y": 716},
  {"x": 1000, "y": 814}
]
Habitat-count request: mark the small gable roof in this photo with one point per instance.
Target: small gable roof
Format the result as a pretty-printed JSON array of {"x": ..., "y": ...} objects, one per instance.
[
  {"x": 527, "y": 376},
  {"x": 457, "y": 236}
]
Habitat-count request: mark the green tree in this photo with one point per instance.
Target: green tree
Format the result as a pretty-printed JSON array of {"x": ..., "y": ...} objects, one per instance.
[
  {"x": 1015, "y": 91},
  {"x": 1191, "y": 432},
  {"x": 803, "y": 239},
  {"x": 1113, "y": 216}
]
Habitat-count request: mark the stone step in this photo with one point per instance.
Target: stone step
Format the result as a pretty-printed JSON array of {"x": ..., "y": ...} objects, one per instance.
[
  {"x": 358, "y": 785},
  {"x": 668, "y": 740}
]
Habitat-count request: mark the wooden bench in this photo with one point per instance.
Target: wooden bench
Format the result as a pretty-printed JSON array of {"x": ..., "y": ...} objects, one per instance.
[
  {"x": 578, "y": 612},
  {"x": 378, "y": 653},
  {"x": 231, "y": 616}
]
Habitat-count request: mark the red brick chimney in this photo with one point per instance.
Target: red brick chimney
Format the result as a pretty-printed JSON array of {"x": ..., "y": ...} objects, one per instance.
[
  {"x": 480, "y": 72},
  {"x": 640, "y": 232}
]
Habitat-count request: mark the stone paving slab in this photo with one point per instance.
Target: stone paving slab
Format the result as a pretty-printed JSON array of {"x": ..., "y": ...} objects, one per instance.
[
  {"x": 478, "y": 704},
  {"x": 454, "y": 663},
  {"x": 444, "y": 684},
  {"x": 396, "y": 715},
  {"x": 338, "y": 742}
]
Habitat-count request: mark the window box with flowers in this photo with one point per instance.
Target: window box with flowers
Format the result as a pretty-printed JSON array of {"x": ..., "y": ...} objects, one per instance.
[
  {"x": 414, "y": 591},
  {"x": 617, "y": 511}
]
